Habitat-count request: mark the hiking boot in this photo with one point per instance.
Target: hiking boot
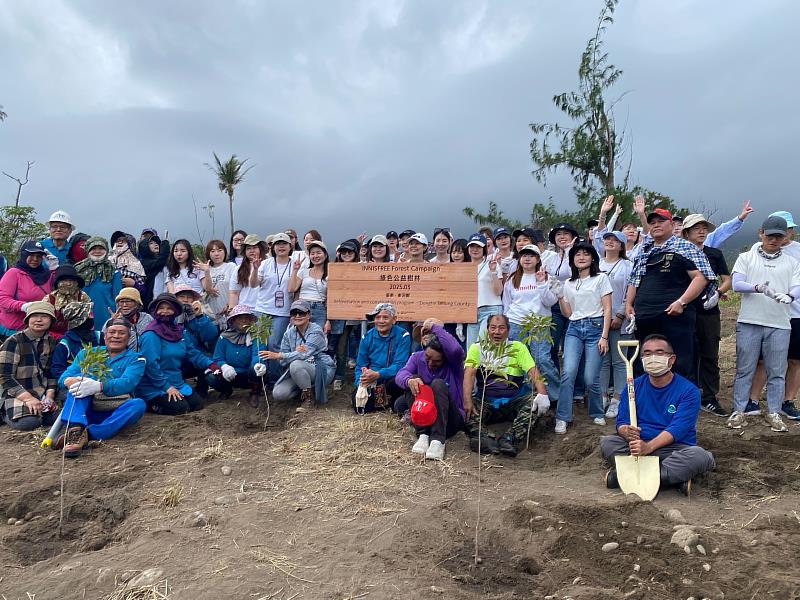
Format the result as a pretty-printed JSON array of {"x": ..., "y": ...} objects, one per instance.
[
  {"x": 435, "y": 451},
  {"x": 488, "y": 445},
  {"x": 306, "y": 400},
  {"x": 337, "y": 385},
  {"x": 75, "y": 441},
  {"x": 561, "y": 427},
  {"x": 613, "y": 409},
  {"x": 422, "y": 444},
  {"x": 686, "y": 488},
  {"x": 713, "y": 407},
  {"x": 790, "y": 411},
  {"x": 737, "y": 420},
  {"x": 775, "y": 422},
  {"x": 752, "y": 409},
  {"x": 507, "y": 446},
  {"x": 612, "y": 482},
  {"x": 599, "y": 421}
]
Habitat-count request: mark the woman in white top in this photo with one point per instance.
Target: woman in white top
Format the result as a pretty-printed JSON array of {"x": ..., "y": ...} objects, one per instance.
[
  {"x": 441, "y": 245},
  {"x": 274, "y": 297},
  {"x": 219, "y": 272},
  {"x": 617, "y": 268},
  {"x": 241, "y": 292},
  {"x": 490, "y": 286},
  {"x": 504, "y": 253},
  {"x": 527, "y": 292},
  {"x": 378, "y": 249},
  {"x": 182, "y": 268},
  {"x": 311, "y": 283},
  {"x": 236, "y": 254},
  {"x": 562, "y": 236},
  {"x": 585, "y": 299}
]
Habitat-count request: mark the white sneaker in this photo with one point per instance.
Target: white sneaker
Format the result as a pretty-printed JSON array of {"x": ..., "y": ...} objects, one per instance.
[
  {"x": 599, "y": 421},
  {"x": 775, "y": 422},
  {"x": 435, "y": 450},
  {"x": 605, "y": 401},
  {"x": 421, "y": 445},
  {"x": 561, "y": 426},
  {"x": 337, "y": 385},
  {"x": 613, "y": 409}
]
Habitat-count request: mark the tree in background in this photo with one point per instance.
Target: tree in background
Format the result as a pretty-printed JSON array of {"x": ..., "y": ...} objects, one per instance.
[
  {"x": 3, "y": 115},
  {"x": 17, "y": 224},
  {"x": 229, "y": 174},
  {"x": 591, "y": 148}
]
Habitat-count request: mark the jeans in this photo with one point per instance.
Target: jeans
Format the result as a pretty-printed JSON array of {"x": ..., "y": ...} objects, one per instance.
[
  {"x": 474, "y": 330},
  {"x": 319, "y": 313},
  {"x": 559, "y": 329},
  {"x": 338, "y": 347},
  {"x": 279, "y": 326},
  {"x": 773, "y": 346},
  {"x": 612, "y": 361},
  {"x": 540, "y": 351},
  {"x": 101, "y": 425},
  {"x": 581, "y": 341}
]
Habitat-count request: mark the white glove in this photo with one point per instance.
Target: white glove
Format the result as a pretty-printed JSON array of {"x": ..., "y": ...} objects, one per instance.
[
  {"x": 557, "y": 287},
  {"x": 762, "y": 288},
  {"x": 631, "y": 326},
  {"x": 711, "y": 301},
  {"x": 542, "y": 403},
  {"x": 228, "y": 372},
  {"x": 260, "y": 369},
  {"x": 779, "y": 297},
  {"x": 25, "y": 306},
  {"x": 85, "y": 387}
]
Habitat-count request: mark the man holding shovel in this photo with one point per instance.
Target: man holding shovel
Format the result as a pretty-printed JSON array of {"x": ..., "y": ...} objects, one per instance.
[{"x": 667, "y": 406}]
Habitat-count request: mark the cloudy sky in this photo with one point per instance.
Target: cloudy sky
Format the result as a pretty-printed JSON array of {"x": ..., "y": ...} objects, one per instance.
[{"x": 378, "y": 114}]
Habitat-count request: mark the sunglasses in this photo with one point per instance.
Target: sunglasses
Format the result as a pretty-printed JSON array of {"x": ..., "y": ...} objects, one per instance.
[
  {"x": 297, "y": 313},
  {"x": 444, "y": 230}
]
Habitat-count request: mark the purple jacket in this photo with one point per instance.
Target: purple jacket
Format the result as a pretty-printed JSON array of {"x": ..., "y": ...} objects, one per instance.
[{"x": 452, "y": 371}]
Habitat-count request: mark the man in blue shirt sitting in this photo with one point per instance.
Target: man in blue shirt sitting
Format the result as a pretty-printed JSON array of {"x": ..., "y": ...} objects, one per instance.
[{"x": 667, "y": 406}]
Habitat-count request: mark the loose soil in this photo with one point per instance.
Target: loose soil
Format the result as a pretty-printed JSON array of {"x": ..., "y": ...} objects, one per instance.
[{"x": 335, "y": 506}]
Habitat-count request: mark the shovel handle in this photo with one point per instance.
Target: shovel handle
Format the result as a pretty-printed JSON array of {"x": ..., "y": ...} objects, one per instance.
[{"x": 621, "y": 346}]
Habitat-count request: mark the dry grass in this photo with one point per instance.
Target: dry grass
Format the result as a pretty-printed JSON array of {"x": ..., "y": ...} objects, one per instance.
[
  {"x": 157, "y": 591},
  {"x": 171, "y": 496},
  {"x": 211, "y": 451},
  {"x": 277, "y": 561}
]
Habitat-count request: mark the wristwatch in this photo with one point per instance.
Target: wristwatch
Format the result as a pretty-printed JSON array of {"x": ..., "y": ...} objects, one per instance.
[{"x": 682, "y": 303}]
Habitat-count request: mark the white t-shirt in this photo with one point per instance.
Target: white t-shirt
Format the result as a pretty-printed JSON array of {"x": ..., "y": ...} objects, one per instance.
[
  {"x": 220, "y": 280},
  {"x": 558, "y": 266},
  {"x": 436, "y": 260},
  {"x": 301, "y": 254},
  {"x": 585, "y": 296},
  {"x": 194, "y": 279},
  {"x": 273, "y": 294},
  {"x": 793, "y": 249},
  {"x": 783, "y": 273},
  {"x": 486, "y": 295},
  {"x": 618, "y": 273},
  {"x": 247, "y": 295},
  {"x": 530, "y": 297},
  {"x": 313, "y": 290}
]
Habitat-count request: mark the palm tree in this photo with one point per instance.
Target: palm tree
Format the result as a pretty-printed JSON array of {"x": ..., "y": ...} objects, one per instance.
[
  {"x": 229, "y": 174},
  {"x": 2, "y": 114}
]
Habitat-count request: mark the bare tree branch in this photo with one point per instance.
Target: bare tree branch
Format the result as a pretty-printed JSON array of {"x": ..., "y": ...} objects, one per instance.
[{"x": 19, "y": 181}]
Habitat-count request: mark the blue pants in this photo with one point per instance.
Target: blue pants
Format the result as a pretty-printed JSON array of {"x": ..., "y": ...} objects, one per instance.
[
  {"x": 581, "y": 341},
  {"x": 540, "y": 351},
  {"x": 319, "y": 313},
  {"x": 279, "y": 326},
  {"x": 101, "y": 425}
]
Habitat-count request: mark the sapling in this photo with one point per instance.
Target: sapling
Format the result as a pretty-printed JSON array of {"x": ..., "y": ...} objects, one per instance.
[
  {"x": 535, "y": 329},
  {"x": 260, "y": 330}
]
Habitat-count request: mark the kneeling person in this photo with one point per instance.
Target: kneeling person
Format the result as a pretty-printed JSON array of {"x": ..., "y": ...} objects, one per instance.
[
  {"x": 439, "y": 365},
  {"x": 98, "y": 410},
  {"x": 667, "y": 406},
  {"x": 508, "y": 396}
]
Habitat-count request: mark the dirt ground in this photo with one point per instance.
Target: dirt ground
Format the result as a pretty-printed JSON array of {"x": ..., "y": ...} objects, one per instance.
[{"x": 210, "y": 505}]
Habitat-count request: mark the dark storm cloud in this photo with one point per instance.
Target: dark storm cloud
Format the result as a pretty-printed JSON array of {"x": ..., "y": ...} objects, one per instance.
[{"x": 377, "y": 115}]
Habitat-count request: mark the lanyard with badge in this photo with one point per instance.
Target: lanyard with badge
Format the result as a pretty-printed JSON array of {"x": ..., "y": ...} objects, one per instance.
[{"x": 279, "y": 296}]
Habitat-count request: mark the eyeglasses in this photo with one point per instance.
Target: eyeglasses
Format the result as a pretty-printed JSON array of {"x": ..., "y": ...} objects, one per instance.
[
  {"x": 58, "y": 226},
  {"x": 656, "y": 353}
]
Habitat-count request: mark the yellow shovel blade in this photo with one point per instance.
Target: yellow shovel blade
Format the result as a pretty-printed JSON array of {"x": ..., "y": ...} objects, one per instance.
[{"x": 639, "y": 475}]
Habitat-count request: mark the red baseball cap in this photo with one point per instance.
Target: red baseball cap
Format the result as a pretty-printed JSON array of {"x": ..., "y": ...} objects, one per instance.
[
  {"x": 423, "y": 410},
  {"x": 661, "y": 213}
]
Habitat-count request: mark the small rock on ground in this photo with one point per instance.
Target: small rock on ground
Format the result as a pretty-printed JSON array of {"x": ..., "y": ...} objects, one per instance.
[
  {"x": 674, "y": 515},
  {"x": 226, "y": 470},
  {"x": 610, "y": 547},
  {"x": 147, "y": 577},
  {"x": 685, "y": 537}
]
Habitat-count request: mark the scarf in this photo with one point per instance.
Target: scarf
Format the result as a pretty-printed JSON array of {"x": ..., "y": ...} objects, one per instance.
[
  {"x": 40, "y": 274},
  {"x": 61, "y": 296},
  {"x": 126, "y": 263},
  {"x": 238, "y": 336},
  {"x": 166, "y": 328},
  {"x": 92, "y": 268},
  {"x": 85, "y": 331}
]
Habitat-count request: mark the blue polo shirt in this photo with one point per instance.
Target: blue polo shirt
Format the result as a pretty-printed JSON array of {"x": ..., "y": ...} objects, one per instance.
[
  {"x": 60, "y": 254},
  {"x": 672, "y": 408}
]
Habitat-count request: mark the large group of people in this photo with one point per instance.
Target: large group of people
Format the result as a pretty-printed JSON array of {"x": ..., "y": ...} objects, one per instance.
[{"x": 176, "y": 327}]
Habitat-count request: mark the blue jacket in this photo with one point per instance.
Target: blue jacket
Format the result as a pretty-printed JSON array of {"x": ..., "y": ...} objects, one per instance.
[
  {"x": 315, "y": 342},
  {"x": 127, "y": 370},
  {"x": 672, "y": 408},
  {"x": 164, "y": 360},
  {"x": 103, "y": 297},
  {"x": 64, "y": 354},
  {"x": 201, "y": 333},
  {"x": 61, "y": 254},
  {"x": 239, "y": 356},
  {"x": 386, "y": 355}
]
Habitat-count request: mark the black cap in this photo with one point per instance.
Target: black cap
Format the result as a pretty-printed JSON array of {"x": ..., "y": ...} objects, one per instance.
[
  {"x": 526, "y": 231},
  {"x": 561, "y": 227},
  {"x": 583, "y": 246},
  {"x": 165, "y": 297},
  {"x": 538, "y": 236},
  {"x": 116, "y": 235},
  {"x": 408, "y": 232},
  {"x": 391, "y": 233},
  {"x": 351, "y": 245},
  {"x": 67, "y": 272},
  {"x": 500, "y": 231},
  {"x": 592, "y": 223}
]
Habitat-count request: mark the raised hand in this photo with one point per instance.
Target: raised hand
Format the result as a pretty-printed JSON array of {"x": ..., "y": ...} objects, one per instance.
[
  {"x": 607, "y": 204},
  {"x": 746, "y": 210},
  {"x": 638, "y": 205}
]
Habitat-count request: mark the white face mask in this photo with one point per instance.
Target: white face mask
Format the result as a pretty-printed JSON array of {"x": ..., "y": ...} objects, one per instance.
[{"x": 656, "y": 365}]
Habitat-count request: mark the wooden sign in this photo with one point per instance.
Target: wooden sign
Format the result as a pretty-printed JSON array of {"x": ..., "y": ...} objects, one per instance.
[{"x": 418, "y": 290}]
